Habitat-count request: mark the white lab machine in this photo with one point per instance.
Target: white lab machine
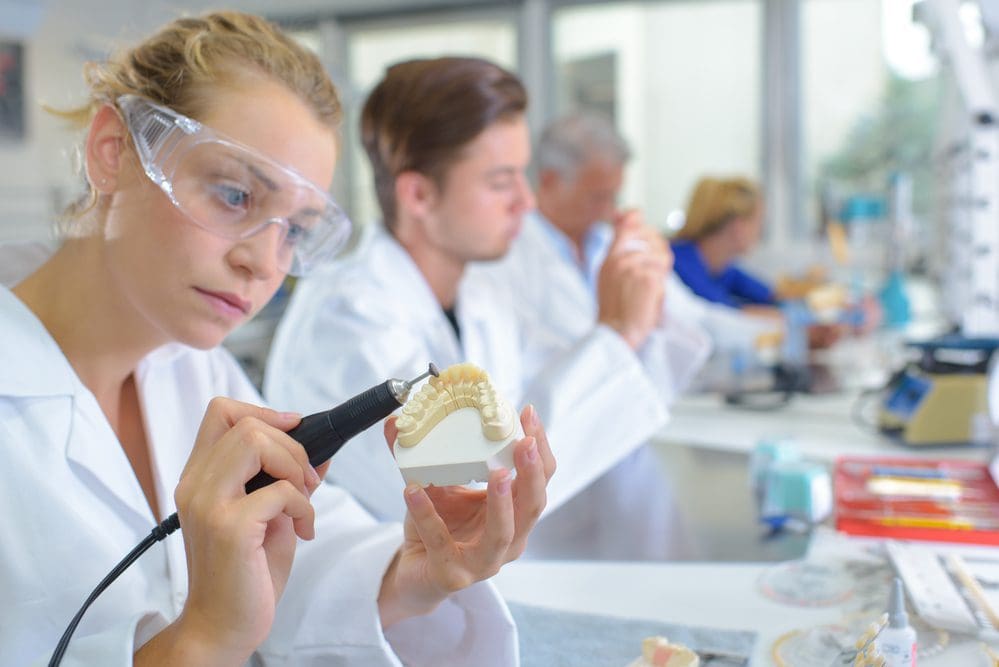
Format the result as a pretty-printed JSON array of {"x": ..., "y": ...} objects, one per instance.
[{"x": 968, "y": 158}]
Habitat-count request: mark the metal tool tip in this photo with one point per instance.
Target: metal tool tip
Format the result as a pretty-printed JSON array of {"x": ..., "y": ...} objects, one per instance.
[{"x": 434, "y": 370}]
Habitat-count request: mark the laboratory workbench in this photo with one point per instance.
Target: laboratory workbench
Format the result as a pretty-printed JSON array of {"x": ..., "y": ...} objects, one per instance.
[
  {"x": 695, "y": 594},
  {"x": 822, "y": 426}
]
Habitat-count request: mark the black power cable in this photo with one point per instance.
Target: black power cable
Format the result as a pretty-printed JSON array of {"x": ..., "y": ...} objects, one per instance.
[{"x": 169, "y": 525}]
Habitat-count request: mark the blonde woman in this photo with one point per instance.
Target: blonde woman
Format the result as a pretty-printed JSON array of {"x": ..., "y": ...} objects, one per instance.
[
  {"x": 209, "y": 152},
  {"x": 724, "y": 222}
]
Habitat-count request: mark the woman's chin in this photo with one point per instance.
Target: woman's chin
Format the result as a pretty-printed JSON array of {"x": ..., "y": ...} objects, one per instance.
[{"x": 204, "y": 338}]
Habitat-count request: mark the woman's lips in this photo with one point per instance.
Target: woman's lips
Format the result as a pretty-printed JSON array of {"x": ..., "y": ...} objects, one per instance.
[{"x": 226, "y": 303}]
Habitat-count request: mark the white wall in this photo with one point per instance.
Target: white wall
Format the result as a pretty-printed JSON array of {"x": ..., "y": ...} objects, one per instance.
[
  {"x": 36, "y": 174},
  {"x": 688, "y": 86}
]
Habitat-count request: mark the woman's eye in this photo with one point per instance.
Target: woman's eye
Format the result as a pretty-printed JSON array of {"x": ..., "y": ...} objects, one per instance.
[
  {"x": 295, "y": 233},
  {"x": 233, "y": 197}
]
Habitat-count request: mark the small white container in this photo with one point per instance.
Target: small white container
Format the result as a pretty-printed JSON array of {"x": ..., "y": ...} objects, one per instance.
[{"x": 897, "y": 641}]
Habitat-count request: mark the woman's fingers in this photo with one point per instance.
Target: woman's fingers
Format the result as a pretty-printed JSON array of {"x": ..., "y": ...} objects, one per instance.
[
  {"x": 529, "y": 493},
  {"x": 433, "y": 531},
  {"x": 250, "y": 447},
  {"x": 236, "y": 440},
  {"x": 301, "y": 457},
  {"x": 322, "y": 469},
  {"x": 492, "y": 550},
  {"x": 531, "y": 421},
  {"x": 391, "y": 433},
  {"x": 223, "y": 413},
  {"x": 279, "y": 498}
]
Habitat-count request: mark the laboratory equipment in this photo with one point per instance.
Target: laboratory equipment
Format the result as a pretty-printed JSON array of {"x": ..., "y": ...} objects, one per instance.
[
  {"x": 970, "y": 168},
  {"x": 765, "y": 456},
  {"x": 939, "y": 500},
  {"x": 893, "y": 294},
  {"x": 941, "y": 399},
  {"x": 839, "y": 644},
  {"x": 934, "y": 592},
  {"x": 321, "y": 434},
  {"x": 796, "y": 491},
  {"x": 808, "y": 583},
  {"x": 897, "y": 641}
]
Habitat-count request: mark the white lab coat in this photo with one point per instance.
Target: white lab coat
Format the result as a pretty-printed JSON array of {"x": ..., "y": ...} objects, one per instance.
[
  {"x": 630, "y": 512},
  {"x": 565, "y": 308},
  {"x": 373, "y": 316},
  {"x": 72, "y": 508},
  {"x": 730, "y": 329}
]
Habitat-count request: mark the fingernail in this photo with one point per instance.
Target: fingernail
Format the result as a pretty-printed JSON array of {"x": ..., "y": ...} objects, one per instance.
[
  {"x": 291, "y": 416},
  {"x": 503, "y": 487},
  {"x": 532, "y": 451},
  {"x": 413, "y": 495},
  {"x": 534, "y": 416}
]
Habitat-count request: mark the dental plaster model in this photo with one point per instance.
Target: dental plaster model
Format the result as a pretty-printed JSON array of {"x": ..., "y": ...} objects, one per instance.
[
  {"x": 456, "y": 429},
  {"x": 658, "y": 652}
]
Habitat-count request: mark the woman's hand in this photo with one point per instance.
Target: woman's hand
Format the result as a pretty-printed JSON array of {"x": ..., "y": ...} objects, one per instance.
[
  {"x": 239, "y": 547},
  {"x": 456, "y": 536}
]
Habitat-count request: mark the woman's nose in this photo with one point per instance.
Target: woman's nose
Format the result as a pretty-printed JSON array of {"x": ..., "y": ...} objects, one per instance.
[{"x": 261, "y": 253}]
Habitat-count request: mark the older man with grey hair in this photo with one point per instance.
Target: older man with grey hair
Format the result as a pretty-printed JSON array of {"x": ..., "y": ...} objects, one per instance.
[
  {"x": 580, "y": 161},
  {"x": 629, "y": 512}
]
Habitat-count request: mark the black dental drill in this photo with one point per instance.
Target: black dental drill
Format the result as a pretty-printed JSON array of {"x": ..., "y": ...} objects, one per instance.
[{"x": 322, "y": 434}]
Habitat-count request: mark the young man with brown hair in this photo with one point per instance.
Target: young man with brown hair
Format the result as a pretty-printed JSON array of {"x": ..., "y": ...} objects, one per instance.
[{"x": 449, "y": 146}]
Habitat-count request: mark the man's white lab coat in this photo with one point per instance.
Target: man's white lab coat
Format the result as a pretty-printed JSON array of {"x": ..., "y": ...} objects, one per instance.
[
  {"x": 630, "y": 512},
  {"x": 373, "y": 316},
  {"x": 72, "y": 508}
]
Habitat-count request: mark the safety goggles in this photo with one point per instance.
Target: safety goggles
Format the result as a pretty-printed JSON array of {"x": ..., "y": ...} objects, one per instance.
[{"x": 232, "y": 190}]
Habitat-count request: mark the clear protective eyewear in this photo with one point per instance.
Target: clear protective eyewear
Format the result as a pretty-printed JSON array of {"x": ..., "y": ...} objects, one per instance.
[{"x": 232, "y": 190}]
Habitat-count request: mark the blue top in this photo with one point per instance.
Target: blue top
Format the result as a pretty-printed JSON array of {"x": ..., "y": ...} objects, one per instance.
[{"x": 732, "y": 287}]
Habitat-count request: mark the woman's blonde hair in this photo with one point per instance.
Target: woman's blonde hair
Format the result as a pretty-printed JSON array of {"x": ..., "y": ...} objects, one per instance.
[
  {"x": 715, "y": 202},
  {"x": 181, "y": 64}
]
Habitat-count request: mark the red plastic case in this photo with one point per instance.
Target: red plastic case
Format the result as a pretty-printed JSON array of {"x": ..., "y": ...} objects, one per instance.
[{"x": 936, "y": 500}]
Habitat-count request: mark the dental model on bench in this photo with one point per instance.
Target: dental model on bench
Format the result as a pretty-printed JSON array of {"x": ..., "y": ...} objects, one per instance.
[
  {"x": 658, "y": 652},
  {"x": 456, "y": 429}
]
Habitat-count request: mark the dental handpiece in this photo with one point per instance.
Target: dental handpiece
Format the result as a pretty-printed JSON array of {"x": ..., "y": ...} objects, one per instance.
[{"x": 324, "y": 433}]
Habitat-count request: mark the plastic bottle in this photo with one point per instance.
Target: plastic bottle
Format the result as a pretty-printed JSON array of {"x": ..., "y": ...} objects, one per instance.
[{"x": 897, "y": 642}]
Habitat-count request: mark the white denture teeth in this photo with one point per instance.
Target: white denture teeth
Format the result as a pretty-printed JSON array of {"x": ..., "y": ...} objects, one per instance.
[{"x": 463, "y": 429}]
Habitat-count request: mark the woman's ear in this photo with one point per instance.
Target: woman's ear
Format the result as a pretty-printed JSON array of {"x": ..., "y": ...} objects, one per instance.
[{"x": 103, "y": 151}]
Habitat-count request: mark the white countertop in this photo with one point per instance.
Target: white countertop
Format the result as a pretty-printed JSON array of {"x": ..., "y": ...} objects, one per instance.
[
  {"x": 705, "y": 594},
  {"x": 821, "y": 426}
]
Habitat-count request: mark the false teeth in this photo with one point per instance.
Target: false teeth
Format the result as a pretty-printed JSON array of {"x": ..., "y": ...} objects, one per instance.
[
  {"x": 659, "y": 652},
  {"x": 460, "y": 386},
  {"x": 455, "y": 429}
]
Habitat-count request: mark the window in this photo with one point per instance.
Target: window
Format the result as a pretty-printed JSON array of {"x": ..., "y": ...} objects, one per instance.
[
  {"x": 372, "y": 47},
  {"x": 682, "y": 81},
  {"x": 869, "y": 110}
]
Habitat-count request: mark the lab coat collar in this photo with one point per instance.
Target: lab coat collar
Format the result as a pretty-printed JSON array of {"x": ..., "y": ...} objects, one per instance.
[
  {"x": 412, "y": 291},
  {"x": 408, "y": 284},
  {"x": 32, "y": 362},
  {"x": 35, "y": 367}
]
